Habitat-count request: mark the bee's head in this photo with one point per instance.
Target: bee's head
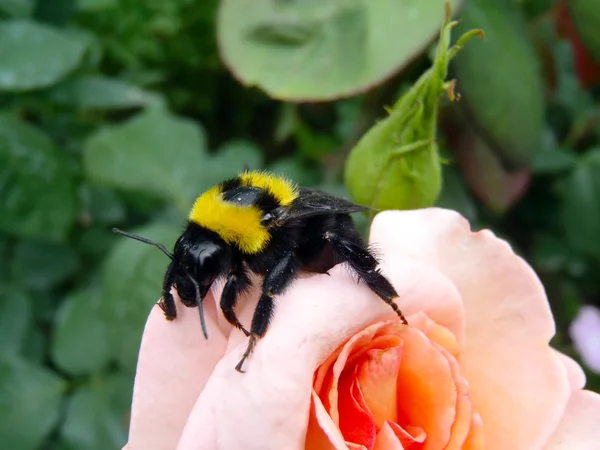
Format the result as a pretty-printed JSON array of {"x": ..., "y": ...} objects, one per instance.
[{"x": 201, "y": 255}]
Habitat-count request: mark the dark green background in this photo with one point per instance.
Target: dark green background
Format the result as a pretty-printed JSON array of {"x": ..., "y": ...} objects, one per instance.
[{"x": 116, "y": 113}]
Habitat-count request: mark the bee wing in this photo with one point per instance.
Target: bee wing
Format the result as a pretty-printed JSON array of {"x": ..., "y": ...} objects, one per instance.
[{"x": 312, "y": 202}]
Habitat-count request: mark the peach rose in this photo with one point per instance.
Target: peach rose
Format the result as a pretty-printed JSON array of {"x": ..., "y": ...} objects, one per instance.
[{"x": 336, "y": 370}]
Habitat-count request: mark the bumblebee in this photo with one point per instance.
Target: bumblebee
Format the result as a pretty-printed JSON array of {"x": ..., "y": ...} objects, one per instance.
[{"x": 263, "y": 223}]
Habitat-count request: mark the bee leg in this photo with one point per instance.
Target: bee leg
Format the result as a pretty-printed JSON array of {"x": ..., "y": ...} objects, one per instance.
[
  {"x": 237, "y": 282},
  {"x": 349, "y": 246},
  {"x": 275, "y": 283},
  {"x": 167, "y": 302}
]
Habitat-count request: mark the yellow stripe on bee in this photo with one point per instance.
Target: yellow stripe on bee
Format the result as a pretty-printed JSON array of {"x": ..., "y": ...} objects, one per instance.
[
  {"x": 282, "y": 189},
  {"x": 235, "y": 224}
]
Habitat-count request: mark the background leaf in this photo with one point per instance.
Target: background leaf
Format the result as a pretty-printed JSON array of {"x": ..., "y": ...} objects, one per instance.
[
  {"x": 504, "y": 98},
  {"x": 15, "y": 320},
  {"x": 17, "y": 8},
  {"x": 81, "y": 344},
  {"x": 99, "y": 92},
  {"x": 35, "y": 55},
  {"x": 323, "y": 50},
  {"x": 43, "y": 265},
  {"x": 90, "y": 424},
  {"x": 580, "y": 211},
  {"x": 30, "y": 395},
  {"x": 36, "y": 183},
  {"x": 586, "y": 18},
  {"x": 154, "y": 152}
]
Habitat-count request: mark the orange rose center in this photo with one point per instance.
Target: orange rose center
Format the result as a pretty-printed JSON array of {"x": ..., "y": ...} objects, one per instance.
[{"x": 393, "y": 386}]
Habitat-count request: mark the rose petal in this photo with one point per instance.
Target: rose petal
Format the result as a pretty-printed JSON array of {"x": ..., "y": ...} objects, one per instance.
[
  {"x": 476, "y": 438},
  {"x": 578, "y": 428},
  {"x": 426, "y": 391},
  {"x": 322, "y": 432},
  {"x": 175, "y": 361},
  {"x": 464, "y": 408},
  {"x": 378, "y": 381},
  {"x": 437, "y": 333},
  {"x": 393, "y": 437},
  {"x": 575, "y": 373},
  {"x": 507, "y": 360},
  {"x": 357, "y": 423}
]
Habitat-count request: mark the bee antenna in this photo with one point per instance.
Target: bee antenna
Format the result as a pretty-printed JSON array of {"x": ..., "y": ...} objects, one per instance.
[{"x": 145, "y": 241}]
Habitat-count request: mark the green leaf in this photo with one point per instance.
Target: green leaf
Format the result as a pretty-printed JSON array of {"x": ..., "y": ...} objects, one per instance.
[
  {"x": 396, "y": 163},
  {"x": 56, "y": 12},
  {"x": 35, "y": 55},
  {"x": 80, "y": 341},
  {"x": 30, "y": 397},
  {"x": 15, "y": 318},
  {"x": 549, "y": 253},
  {"x": 131, "y": 284},
  {"x": 36, "y": 183},
  {"x": 95, "y": 242},
  {"x": 4, "y": 261},
  {"x": 155, "y": 152},
  {"x": 101, "y": 205},
  {"x": 294, "y": 169},
  {"x": 586, "y": 18},
  {"x": 322, "y": 50},
  {"x": 17, "y": 8},
  {"x": 500, "y": 80},
  {"x": 312, "y": 145},
  {"x": 553, "y": 160},
  {"x": 43, "y": 265},
  {"x": 35, "y": 346},
  {"x": 119, "y": 390},
  {"x": 95, "y": 5},
  {"x": 99, "y": 92},
  {"x": 229, "y": 161},
  {"x": 90, "y": 424},
  {"x": 580, "y": 209}
]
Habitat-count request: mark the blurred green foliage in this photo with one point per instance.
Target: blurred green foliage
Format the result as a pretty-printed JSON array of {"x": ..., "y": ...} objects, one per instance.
[{"x": 117, "y": 113}]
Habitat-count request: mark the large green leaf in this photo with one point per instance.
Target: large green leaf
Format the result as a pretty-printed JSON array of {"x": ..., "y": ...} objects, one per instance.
[
  {"x": 36, "y": 183},
  {"x": 154, "y": 152},
  {"x": 30, "y": 398},
  {"x": 580, "y": 210},
  {"x": 90, "y": 423},
  {"x": 15, "y": 318},
  {"x": 131, "y": 285},
  {"x": 80, "y": 341},
  {"x": 99, "y": 92},
  {"x": 43, "y": 265},
  {"x": 323, "y": 49},
  {"x": 35, "y": 55},
  {"x": 500, "y": 81},
  {"x": 586, "y": 17}
]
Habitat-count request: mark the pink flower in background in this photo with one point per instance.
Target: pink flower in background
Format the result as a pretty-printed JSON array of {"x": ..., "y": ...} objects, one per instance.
[
  {"x": 585, "y": 333},
  {"x": 336, "y": 370}
]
